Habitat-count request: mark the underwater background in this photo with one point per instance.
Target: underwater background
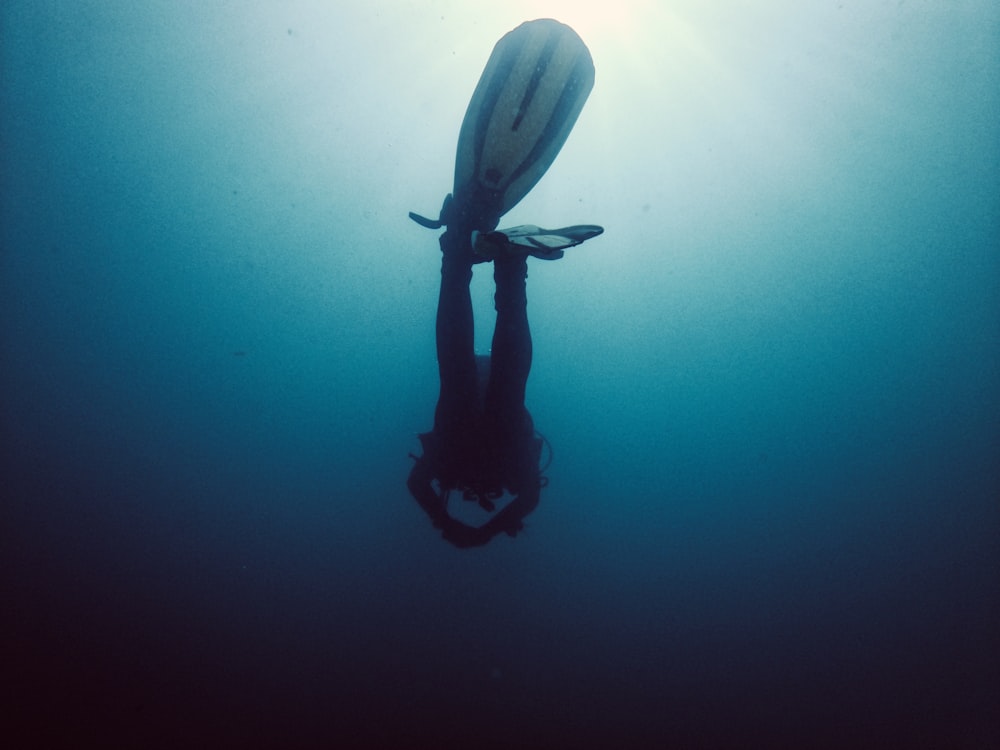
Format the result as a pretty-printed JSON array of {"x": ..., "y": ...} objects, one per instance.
[{"x": 772, "y": 387}]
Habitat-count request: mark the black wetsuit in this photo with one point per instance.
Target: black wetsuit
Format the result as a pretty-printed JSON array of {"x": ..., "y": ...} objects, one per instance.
[{"x": 483, "y": 438}]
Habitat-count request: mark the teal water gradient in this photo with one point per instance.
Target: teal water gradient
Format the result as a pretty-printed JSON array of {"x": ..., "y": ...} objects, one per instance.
[{"x": 771, "y": 386}]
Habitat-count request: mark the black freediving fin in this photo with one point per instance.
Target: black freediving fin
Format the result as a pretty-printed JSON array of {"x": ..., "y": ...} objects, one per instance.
[
  {"x": 442, "y": 219},
  {"x": 425, "y": 222}
]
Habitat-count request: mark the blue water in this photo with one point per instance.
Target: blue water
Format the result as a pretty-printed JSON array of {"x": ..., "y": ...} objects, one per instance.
[{"x": 772, "y": 387}]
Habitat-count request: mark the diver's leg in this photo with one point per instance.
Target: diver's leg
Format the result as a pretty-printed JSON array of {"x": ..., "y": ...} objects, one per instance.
[
  {"x": 511, "y": 431},
  {"x": 511, "y": 356},
  {"x": 455, "y": 344},
  {"x": 443, "y": 456}
]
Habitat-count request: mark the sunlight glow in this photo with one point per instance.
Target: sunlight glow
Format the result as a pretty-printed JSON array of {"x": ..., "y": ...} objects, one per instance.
[
  {"x": 592, "y": 19},
  {"x": 646, "y": 48}
]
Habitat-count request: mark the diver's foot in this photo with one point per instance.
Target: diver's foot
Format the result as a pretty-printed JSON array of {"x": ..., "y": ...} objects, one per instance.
[{"x": 457, "y": 253}]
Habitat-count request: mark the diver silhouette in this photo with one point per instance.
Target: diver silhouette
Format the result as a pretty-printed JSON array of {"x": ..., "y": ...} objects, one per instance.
[{"x": 483, "y": 445}]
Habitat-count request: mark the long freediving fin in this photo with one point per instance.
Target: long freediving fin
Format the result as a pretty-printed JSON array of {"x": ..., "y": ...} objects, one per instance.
[
  {"x": 528, "y": 98},
  {"x": 525, "y": 105}
]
